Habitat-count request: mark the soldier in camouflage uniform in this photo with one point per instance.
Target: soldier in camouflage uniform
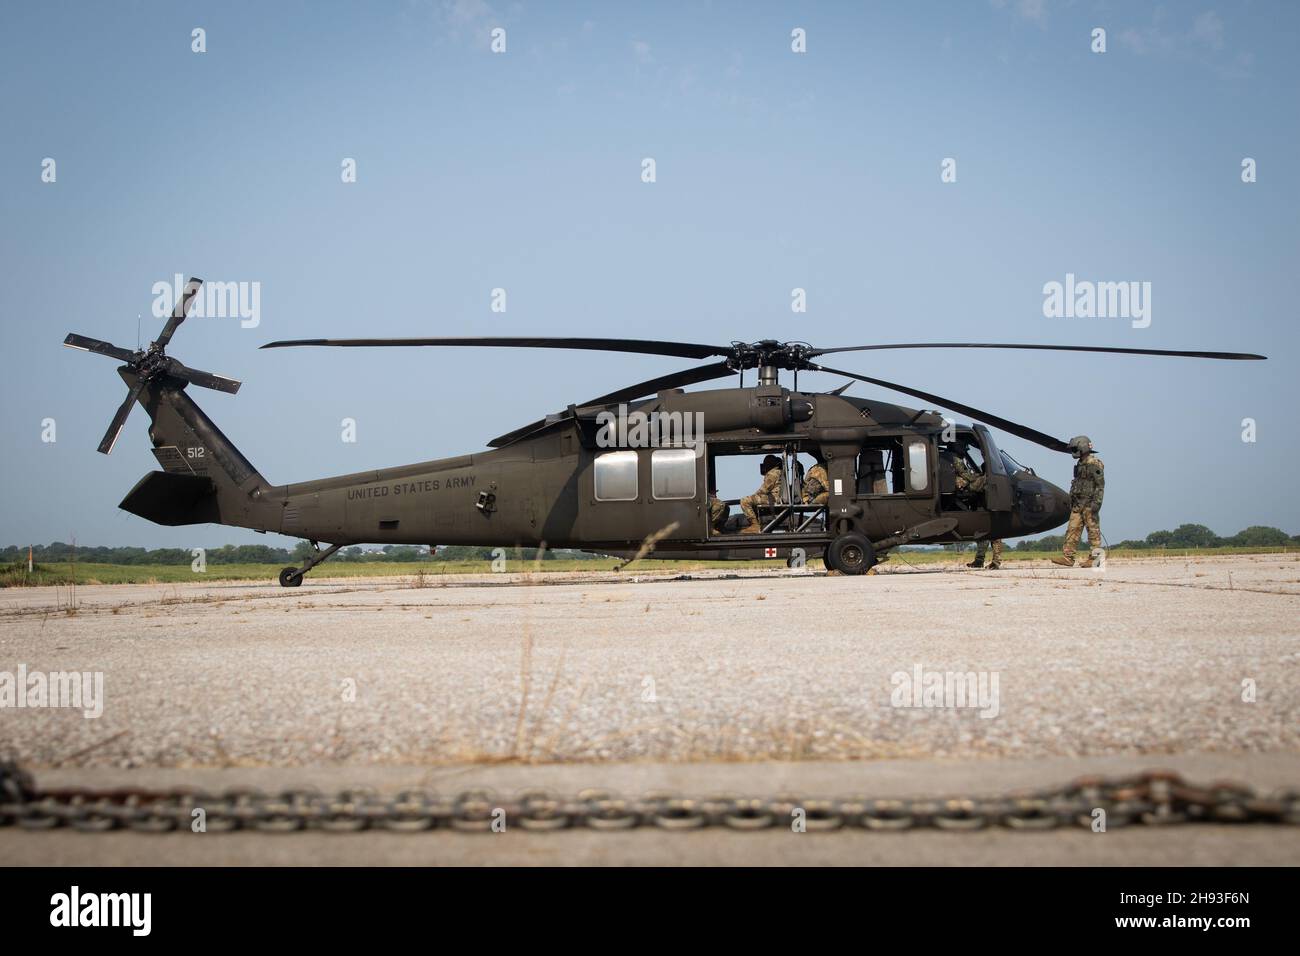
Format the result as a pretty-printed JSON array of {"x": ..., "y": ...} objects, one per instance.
[
  {"x": 983, "y": 546},
  {"x": 1086, "y": 491},
  {"x": 971, "y": 482},
  {"x": 769, "y": 492},
  {"x": 717, "y": 511},
  {"x": 816, "y": 484}
]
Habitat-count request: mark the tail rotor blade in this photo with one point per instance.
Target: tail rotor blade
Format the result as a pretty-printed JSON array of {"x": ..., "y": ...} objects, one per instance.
[
  {"x": 115, "y": 426},
  {"x": 178, "y": 314},
  {"x": 206, "y": 379},
  {"x": 86, "y": 344}
]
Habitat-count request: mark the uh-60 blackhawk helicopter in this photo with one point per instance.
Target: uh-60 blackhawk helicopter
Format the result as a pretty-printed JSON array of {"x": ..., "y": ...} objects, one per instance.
[{"x": 582, "y": 479}]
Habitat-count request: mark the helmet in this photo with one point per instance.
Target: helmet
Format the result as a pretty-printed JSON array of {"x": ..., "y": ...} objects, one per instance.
[
  {"x": 1080, "y": 445},
  {"x": 770, "y": 462}
]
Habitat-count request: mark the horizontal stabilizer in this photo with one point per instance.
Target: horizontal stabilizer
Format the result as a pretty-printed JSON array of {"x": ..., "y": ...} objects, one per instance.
[{"x": 170, "y": 499}]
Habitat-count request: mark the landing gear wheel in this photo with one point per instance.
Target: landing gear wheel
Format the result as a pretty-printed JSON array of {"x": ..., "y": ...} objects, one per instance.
[
  {"x": 290, "y": 578},
  {"x": 826, "y": 560},
  {"x": 851, "y": 554}
]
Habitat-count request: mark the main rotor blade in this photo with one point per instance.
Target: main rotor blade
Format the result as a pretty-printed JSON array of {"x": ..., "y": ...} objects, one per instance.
[
  {"x": 690, "y": 376},
  {"x": 645, "y": 346},
  {"x": 178, "y": 314},
  {"x": 1227, "y": 356},
  {"x": 119, "y": 419},
  {"x": 1010, "y": 427},
  {"x": 206, "y": 379},
  {"x": 85, "y": 344}
]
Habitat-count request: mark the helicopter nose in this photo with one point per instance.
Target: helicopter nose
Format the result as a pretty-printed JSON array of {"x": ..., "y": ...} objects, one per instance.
[
  {"x": 1060, "y": 507},
  {"x": 1042, "y": 506}
]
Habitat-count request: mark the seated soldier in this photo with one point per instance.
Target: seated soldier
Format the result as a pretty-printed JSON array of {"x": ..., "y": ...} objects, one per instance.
[
  {"x": 768, "y": 494},
  {"x": 969, "y": 481},
  {"x": 718, "y": 511},
  {"x": 817, "y": 485}
]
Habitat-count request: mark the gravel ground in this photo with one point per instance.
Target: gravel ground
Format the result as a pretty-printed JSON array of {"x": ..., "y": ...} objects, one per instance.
[{"x": 1147, "y": 657}]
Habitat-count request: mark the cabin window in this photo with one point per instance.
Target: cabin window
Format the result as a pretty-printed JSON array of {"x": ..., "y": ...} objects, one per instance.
[
  {"x": 616, "y": 476},
  {"x": 880, "y": 468},
  {"x": 672, "y": 473},
  {"x": 918, "y": 466}
]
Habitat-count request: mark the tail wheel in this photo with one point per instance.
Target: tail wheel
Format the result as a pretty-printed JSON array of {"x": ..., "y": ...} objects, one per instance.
[
  {"x": 851, "y": 554},
  {"x": 290, "y": 578}
]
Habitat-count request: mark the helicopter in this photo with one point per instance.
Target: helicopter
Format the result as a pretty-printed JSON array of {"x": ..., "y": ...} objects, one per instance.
[{"x": 624, "y": 473}]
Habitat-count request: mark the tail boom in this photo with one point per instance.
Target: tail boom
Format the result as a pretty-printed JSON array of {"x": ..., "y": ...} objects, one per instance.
[{"x": 205, "y": 478}]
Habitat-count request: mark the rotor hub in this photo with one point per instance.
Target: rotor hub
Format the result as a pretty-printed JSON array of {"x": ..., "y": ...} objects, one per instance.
[
  {"x": 768, "y": 355},
  {"x": 152, "y": 364}
]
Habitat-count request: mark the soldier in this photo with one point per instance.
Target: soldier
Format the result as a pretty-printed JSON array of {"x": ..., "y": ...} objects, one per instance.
[
  {"x": 717, "y": 511},
  {"x": 816, "y": 484},
  {"x": 1086, "y": 492},
  {"x": 969, "y": 481},
  {"x": 769, "y": 492},
  {"x": 981, "y": 547}
]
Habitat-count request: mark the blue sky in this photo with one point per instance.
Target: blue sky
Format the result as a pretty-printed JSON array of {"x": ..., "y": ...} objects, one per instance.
[{"x": 775, "y": 170}]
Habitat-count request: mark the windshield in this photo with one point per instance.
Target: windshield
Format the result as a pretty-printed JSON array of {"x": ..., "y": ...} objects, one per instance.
[
  {"x": 996, "y": 462},
  {"x": 1012, "y": 465}
]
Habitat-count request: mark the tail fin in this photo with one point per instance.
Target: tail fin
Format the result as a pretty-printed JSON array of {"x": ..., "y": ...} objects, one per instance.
[{"x": 205, "y": 478}]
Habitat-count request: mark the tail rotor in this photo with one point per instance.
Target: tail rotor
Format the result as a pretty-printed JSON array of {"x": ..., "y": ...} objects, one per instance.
[{"x": 152, "y": 365}]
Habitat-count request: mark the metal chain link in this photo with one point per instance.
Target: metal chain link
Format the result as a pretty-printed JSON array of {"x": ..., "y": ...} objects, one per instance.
[{"x": 1157, "y": 798}]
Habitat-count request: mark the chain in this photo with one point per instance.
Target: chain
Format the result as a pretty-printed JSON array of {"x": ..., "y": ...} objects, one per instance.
[{"x": 1156, "y": 798}]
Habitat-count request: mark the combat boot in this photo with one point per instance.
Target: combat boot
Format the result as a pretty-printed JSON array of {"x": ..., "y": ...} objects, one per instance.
[
  {"x": 1065, "y": 561},
  {"x": 1086, "y": 562},
  {"x": 751, "y": 529},
  {"x": 978, "y": 562},
  {"x": 995, "y": 566}
]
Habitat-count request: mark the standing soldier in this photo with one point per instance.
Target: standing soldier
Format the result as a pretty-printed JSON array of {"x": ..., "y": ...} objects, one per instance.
[
  {"x": 769, "y": 492},
  {"x": 817, "y": 484},
  {"x": 981, "y": 547},
  {"x": 1086, "y": 492}
]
